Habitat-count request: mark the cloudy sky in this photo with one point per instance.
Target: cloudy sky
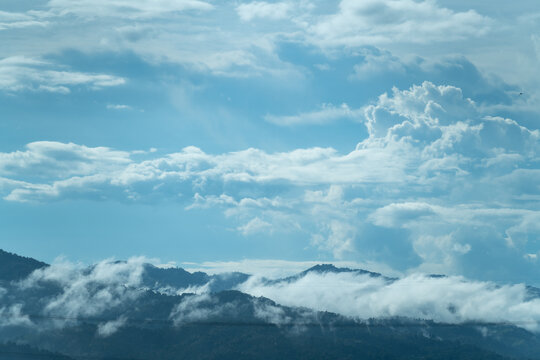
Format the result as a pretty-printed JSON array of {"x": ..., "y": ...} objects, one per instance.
[{"x": 402, "y": 136}]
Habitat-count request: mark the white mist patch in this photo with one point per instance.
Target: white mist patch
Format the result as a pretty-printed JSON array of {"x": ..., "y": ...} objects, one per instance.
[
  {"x": 13, "y": 316},
  {"x": 196, "y": 308},
  {"x": 172, "y": 291},
  {"x": 86, "y": 292},
  {"x": 110, "y": 327},
  {"x": 441, "y": 299},
  {"x": 271, "y": 314}
]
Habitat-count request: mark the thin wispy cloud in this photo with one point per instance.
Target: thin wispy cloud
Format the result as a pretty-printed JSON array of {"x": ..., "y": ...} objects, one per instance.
[
  {"x": 23, "y": 73},
  {"x": 328, "y": 113},
  {"x": 122, "y": 8}
]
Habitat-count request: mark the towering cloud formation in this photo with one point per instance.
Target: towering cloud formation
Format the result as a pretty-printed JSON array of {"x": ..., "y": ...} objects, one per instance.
[{"x": 439, "y": 173}]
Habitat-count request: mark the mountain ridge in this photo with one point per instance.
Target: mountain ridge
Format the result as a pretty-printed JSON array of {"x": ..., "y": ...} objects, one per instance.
[
  {"x": 16, "y": 267},
  {"x": 218, "y": 311}
]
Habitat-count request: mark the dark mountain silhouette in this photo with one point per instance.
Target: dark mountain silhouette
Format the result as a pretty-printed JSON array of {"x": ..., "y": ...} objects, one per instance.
[
  {"x": 533, "y": 292},
  {"x": 15, "y": 267},
  {"x": 12, "y": 351},
  {"x": 329, "y": 268},
  {"x": 179, "y": 278},
  {"x": 326, "y": 268},
  {"x": 237, "y": 331},
  {"x": 229, "y": 324},
  {"x": 175, "y": 277}
]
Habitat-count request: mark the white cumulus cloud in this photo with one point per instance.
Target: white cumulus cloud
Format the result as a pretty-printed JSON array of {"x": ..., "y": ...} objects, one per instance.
[
  {"x": 435, "y": 169},
  {"x": 262, "y": 9},
  {"x": 379, "y": 22}
]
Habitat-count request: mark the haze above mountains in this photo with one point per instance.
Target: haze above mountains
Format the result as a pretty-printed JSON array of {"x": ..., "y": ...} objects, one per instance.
[{"x": 134, "y": 310}]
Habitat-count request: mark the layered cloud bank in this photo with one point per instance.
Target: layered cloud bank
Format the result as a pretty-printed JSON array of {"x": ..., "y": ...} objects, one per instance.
[
  {"x": 149, "y": 28},
  {"x": 441, "y": 299},
  {"x": 376, "y": 22},
  {"x": 437, "y": 177},
  {"x": 114, "y": 294}
]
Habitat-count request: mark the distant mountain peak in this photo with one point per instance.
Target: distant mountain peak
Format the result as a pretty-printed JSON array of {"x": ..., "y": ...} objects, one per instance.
[
  {"x": 330, "y": 268},
  {"x": 15, "y": 267},
  {"x": 326, "y": 268}
]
